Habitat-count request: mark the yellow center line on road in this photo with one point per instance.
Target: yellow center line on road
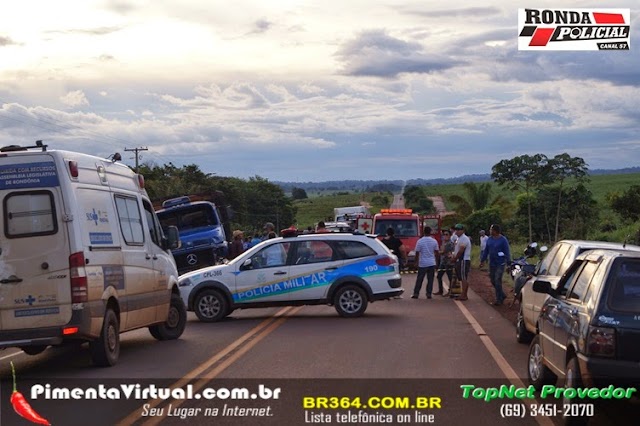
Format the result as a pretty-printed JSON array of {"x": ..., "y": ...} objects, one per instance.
[
  {"x": 197, "y": 372},
  {"x": 201, "y": 383},
  {"x": 497, "y": 356}
]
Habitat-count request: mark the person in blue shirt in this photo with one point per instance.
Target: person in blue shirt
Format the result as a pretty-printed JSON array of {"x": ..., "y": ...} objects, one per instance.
[{"x": 499, "y": 254}]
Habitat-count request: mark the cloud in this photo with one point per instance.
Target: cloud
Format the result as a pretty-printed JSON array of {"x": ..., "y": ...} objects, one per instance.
[
  {"x": 74, "y": 99},
  {"x": 261, "y": 26},
  {"x": 121, "y": 7},
  {"x": 467, "y": 12},
  {"x": 6, "y": 41},
  {"x": 98, "y": 31},
  {"x": 376, "y": 53}
]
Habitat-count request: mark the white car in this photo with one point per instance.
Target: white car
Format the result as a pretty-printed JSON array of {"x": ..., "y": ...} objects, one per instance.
[
  {"x": 344, "y": 270},
  {"x": 551, "y": 269}
]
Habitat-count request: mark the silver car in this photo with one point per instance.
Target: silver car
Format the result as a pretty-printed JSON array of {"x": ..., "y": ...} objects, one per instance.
[{"x": 551, "y": 269}]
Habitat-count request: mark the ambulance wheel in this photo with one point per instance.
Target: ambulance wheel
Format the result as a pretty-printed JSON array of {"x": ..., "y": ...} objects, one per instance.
[
  {"x": 350, "y": 301},
  {"x": 176, "y": 321},
  {"x": 105, "y": 350},
  {"x": 210, "y": 305},
  {"x": 34, "y": 350}
]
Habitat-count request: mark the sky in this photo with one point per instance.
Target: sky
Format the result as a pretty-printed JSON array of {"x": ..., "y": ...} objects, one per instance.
[{"x": 312, "y": 90}]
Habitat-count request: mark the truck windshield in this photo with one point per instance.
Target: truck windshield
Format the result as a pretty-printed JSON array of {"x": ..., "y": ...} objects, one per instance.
[
  {"x": 190, "y": 217},
  {"x": 402, "y": 228}
]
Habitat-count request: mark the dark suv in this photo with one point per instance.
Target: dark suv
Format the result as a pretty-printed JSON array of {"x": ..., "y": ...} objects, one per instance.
[{"x": 589, "y": 328}]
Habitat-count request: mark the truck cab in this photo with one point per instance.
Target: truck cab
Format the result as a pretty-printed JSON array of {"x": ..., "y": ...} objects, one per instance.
[
  {"x": 201, "y": 231},
  {"x": 407, "y": 225}
]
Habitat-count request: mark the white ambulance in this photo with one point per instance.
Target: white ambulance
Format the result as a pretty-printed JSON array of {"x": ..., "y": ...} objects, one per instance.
[{"x": 82, "y": 254}]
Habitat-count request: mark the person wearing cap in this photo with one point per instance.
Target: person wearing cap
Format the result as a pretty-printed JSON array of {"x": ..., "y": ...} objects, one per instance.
[
  {"x": 462, "y": 258},
  {"x": 499, "y": 254},
  {"x": 237, "y": 246}
]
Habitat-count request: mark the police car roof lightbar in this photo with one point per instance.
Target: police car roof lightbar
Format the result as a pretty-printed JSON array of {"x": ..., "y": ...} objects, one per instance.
[{"x": 173, "y": 202}]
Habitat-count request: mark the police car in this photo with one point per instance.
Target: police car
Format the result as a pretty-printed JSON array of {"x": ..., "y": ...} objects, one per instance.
[{"x": 344, "y": 270}]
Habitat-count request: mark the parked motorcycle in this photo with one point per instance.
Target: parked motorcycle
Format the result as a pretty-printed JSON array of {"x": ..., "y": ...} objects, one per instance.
[{"x": 521, "y": 270}]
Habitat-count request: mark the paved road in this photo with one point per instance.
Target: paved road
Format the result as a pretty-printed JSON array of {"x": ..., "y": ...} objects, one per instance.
[
  {"x": 413, "y": 347},
  {"x": 398, "y": 202}
]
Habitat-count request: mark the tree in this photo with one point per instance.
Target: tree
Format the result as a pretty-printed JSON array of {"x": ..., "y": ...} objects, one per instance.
[
  {"x": 415, "y": 198},
  {"x": 627, "y": 204},
  {"x": 478, "y": 198},
  {"x": 562, "y": 167},
  {"x": 525, "y": 172},
  {"x": 298, "y": 193}
]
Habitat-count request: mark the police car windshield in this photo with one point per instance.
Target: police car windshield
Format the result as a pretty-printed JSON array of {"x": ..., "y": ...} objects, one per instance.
[
  {"x": 190, "y": 217},
  {"x": 402, "y": 228}
]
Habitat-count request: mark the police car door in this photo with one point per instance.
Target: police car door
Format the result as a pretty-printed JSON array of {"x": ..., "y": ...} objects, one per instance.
[
  {"x": 34, "y": 248},
  {"x": 314, "y": 267},
  {"x": 263, "y": 278}
]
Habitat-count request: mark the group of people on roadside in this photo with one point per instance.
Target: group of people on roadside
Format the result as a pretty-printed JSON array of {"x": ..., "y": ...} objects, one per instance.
[{"x": 453, "y": 255}]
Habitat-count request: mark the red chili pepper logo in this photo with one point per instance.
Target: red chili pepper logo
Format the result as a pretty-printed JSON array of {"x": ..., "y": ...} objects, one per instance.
[{"x": 22, "y": 407}]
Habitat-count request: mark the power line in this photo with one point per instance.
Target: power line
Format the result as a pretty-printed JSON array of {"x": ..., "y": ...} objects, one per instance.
[{"x": 136, "y": 150}]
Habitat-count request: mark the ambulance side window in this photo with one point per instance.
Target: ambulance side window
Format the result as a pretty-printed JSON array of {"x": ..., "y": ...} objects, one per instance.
[
  {"x": 29, "y": 214},
  {"x": 130, "y": 220},
  {"x": 154, "y": 227}
]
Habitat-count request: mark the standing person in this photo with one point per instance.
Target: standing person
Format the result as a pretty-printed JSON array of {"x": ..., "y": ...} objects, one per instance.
[
  {"x": 462, "y": 257},
  {"x": 256, "y": 240},
  {"x": 268, "y": 229},
  {"x": 427, "y": 257},
  {"x": 446, "y": 261},
  {"x": 454, "y": 236},
  {"x": 483, "y": 241},
  {"x": 321, "y": 228},
  {"x": 499, "y": 254},
  {"x": 395, "y": 245},
  {"x": 237, "y": 246}
]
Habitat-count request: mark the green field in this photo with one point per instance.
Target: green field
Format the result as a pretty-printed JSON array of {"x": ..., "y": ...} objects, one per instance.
[
  {"x": 320, "y": 207},
  {"x": 314, "y": 209}
]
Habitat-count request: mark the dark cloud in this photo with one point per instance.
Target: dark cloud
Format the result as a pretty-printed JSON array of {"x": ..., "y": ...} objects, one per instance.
[
  {"x": 467, "y": 12},
  {"x": 6, "y": 41},
  {"x": 261, "y": 26},
  {"x": 120, "y": 7},
  {"x": 375, "y": 53}
]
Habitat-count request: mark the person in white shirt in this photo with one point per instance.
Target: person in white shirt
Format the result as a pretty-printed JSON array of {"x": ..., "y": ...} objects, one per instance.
[
  {"x": 427, "y": 257},
  {"x": 483, "y": 241},
  {"x": 462, "y": 257}
]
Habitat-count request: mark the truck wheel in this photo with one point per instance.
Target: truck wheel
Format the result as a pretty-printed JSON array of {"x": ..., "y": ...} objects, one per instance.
[
  {"x": 539, "y": 374},
  {"x": 210, "y": 306},
  {"x": 34, "y": 350},
  {"x": 573, "y": 379},
  {"x": 105, "y": 350},
  {"x": 350, "y": 301},
  {"x": 176, "y": 321},
  {"x": 522, "y": 334}
]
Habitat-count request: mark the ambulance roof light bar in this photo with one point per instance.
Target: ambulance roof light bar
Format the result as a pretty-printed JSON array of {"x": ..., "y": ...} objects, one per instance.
[{"x": 396, "y": 211}]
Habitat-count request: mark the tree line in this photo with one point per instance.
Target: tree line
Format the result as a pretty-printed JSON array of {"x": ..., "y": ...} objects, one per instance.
[{"x": 251, "y": 202}]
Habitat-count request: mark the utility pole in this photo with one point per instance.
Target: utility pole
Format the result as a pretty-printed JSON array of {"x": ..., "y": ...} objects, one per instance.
[{"x": 136, "y": 150}]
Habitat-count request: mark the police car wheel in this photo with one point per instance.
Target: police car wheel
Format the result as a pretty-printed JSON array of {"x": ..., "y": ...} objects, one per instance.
[
  {"x": 350, "y": 301},
  {"x": 210, "y": 306},
  {"x": 176, "y": 321},
  {"x": 105, "y": 350}
]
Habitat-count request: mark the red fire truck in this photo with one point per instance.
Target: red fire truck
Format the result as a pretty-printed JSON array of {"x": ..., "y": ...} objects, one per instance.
[{"x": 407, "y": 225}]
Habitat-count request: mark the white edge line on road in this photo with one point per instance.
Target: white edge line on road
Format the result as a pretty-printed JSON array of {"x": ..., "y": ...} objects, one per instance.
[
  {"x": 10, "y": 356},
  {"x": 503, "y": 364}
]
